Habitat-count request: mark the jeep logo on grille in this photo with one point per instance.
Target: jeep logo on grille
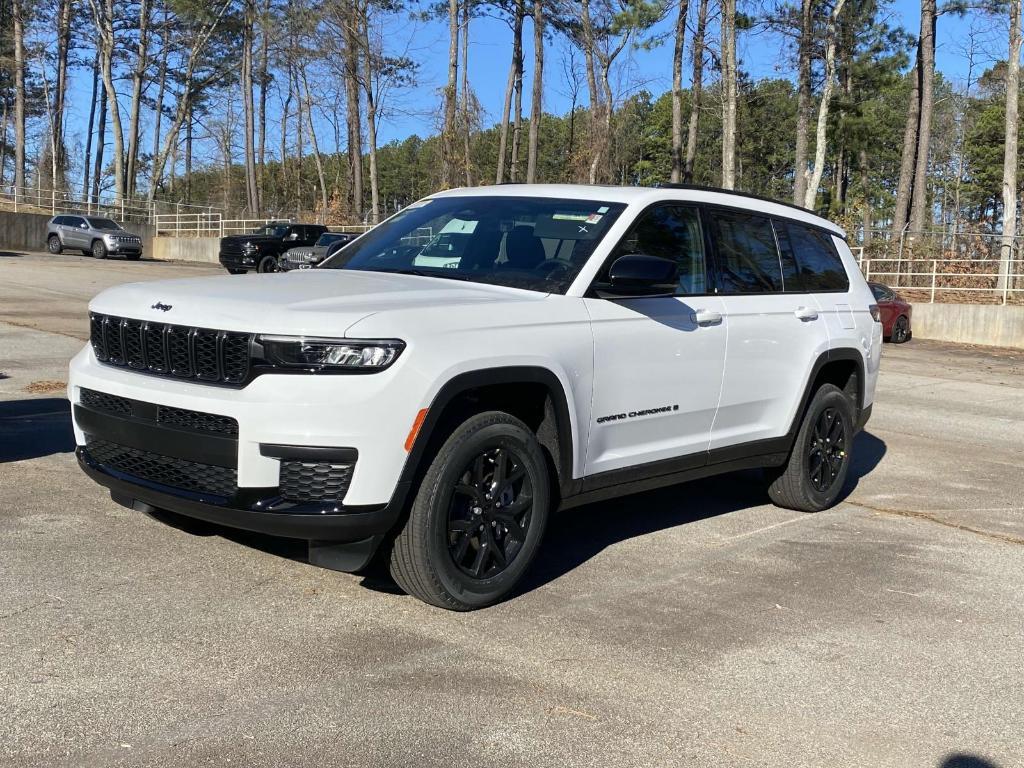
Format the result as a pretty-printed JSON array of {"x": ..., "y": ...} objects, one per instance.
[{"x": 161, "y": 307}]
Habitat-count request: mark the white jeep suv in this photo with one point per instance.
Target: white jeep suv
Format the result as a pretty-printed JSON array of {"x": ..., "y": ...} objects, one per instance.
[{"x": 574, "y": 343}]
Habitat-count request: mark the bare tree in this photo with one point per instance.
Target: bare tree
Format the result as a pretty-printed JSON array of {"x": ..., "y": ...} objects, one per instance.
[
  {"x": 467, "y": 123},
  {"x": 696, "y": 89},
  {"x": 906, "y": 178},
  {"x": 821, "y": 138},
  {"x": 369, "y": 81},
  {"x": 248, "y": 107},
  {"x": 512, "y": 88},
  {"x": 450, "y": 93},
  {"x": 87, "y": 167},
  {"x": 537, "y": 93},
  {"x": 677, "y": 92},
  {"x": 18, "y": 11},
  {"x": 321, "y": 176},
  {"x": 64, "y": 12},
  {"x": 804, "y": 96},
  {"x": 103, "y": 18},
  {"x": 138, "y": 76},
  {"x": 1010, "y": 159},
  {"x": 919, "y": 216},
  {"x": 728, "y": 94}
]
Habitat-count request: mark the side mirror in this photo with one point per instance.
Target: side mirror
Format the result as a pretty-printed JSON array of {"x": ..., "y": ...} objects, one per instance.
[
  {"x": 83, "y": 225},
  {"x": 293, "y": 236},
  {"x": 636, "y": 275}
]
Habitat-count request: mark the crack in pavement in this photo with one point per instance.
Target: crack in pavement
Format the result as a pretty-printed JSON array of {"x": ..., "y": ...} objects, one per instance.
[{"x": 929, "y": 517}]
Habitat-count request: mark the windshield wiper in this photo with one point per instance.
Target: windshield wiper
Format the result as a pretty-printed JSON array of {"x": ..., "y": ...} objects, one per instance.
[{"x": 445, "y": 274}]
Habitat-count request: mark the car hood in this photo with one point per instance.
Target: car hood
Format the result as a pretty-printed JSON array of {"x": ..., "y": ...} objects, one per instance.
[
  {"x": 239, "y": 239},
  {"x": 324, "y": 302}
]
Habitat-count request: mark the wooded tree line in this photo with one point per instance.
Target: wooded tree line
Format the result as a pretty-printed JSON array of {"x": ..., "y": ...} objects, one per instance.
[{"x": 273, "y": 107}]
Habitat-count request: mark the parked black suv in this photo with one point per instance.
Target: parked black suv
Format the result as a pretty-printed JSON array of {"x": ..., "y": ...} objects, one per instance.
[{"x": 261, "y": 249}]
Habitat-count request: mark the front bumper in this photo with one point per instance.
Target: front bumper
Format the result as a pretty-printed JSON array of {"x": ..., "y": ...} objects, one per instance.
[
  {"x": 345, "y": 526},
  {"x": 238, "y": 260}
]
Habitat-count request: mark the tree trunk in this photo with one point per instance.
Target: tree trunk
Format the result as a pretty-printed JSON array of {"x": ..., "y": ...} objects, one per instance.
[
  {"x": 20, "y": 22},
  {"x": 677, "y": 93},
  {"x": 537, "y": 93},
  {"x": 589, "y": 56},
  {"x": 369, "y": 78},
  {"x": 103, "y": 15},
  {"x": 450, "y": 91},
  {"x": 1010, "y": 152},
  {"x": 101, "y": 144},
  {"x": 919, "y": 213},
  {"x": 64, "y": 12},
  {"x": 820, "y": 136},
  {"x": 696, "y": 90},
  {"x": 729, "y": 94},
  {"x": 248, "y": 109},
  {"x": 321, "y": 176},
  {"x": 506, "y": 114},
  {"x": 804, "y": 97},
  {"x": 138, "y": 75},
  {"x": 517, "y": 110},
  {"x": 86, "y": 166},
  {"x": 264, "y": 83},
  {"x": 906, "y": 180},
  {"x": 158, "y": 104},
  {"x": 354, "y": 117},
  {"x": 866, "y": 209},
  {"x": 466, "y": 116}
]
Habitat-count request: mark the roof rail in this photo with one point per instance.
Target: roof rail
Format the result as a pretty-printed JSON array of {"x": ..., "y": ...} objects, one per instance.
[{"x": 702, "y": 188}]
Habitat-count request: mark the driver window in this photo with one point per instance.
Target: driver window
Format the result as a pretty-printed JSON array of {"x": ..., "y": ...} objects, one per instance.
[{"x": 671, "y": 232}]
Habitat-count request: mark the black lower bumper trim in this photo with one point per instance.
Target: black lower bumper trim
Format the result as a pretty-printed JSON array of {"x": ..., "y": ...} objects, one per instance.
[{"x": 351, "y": 524}]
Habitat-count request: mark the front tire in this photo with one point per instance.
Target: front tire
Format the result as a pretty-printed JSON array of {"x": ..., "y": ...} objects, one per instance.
[
  {"x": 267, "y": 264},
  {"x": 478, "y": 516},
  {"x": 99, "y": 250},
  {"x": 813, "y": 477},
  {"x": 53, "y": 245}
]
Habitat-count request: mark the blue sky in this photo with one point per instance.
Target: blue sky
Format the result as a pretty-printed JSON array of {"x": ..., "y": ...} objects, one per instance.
[{"x": 762, "y": 54}]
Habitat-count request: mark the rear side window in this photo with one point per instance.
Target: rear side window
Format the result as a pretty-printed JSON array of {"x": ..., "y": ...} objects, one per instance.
[
  {"x": 811, "y": 259},
  {"x": 748, "y": 258},
  {"x": 59, "y": 221}
]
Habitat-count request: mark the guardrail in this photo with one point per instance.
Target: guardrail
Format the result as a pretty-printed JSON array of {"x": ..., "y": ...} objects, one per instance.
[
  {"x": 53, "y": 202},
  {"x": 214, "y": 225},
  {"x": 968, "y": 281}
]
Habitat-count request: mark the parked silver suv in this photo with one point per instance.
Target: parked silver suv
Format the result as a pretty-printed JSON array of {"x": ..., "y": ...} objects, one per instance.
[{"x": 93, "y": 235}]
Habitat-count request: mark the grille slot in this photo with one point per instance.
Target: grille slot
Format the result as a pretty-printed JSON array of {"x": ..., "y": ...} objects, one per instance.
[
  {"x": 164, "y": 470},
  {"x": 211, "y": 356},
  {"x": 197, "y": 421},
  {"x": 314, "y": 481},
  {"x": 101, "y": 401}
]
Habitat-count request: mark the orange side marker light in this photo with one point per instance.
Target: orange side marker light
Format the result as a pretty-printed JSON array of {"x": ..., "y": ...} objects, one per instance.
[{"x": 415, "y": 431}]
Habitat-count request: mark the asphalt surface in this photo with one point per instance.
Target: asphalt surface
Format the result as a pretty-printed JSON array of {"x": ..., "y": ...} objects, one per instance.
[{"x": 697, "y": 625}]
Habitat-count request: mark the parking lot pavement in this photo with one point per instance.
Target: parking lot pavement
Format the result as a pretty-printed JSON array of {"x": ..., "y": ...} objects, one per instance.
[{"x": 696, "y": 625}]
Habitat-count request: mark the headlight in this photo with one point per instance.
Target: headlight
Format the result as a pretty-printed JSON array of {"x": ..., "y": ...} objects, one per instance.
[
  {"x": 331, "y": 354},
  {"x": 249, "y": 248}
]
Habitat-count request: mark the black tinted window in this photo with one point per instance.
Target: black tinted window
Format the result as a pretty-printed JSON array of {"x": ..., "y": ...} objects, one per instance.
[
  {"x": 748, "y": 259},
  {"x": 58, "y": 220},
  {"x": 817, "y": 266},
  {"x": 671, "y": 232},
  {"x": 881, "y": 292}
]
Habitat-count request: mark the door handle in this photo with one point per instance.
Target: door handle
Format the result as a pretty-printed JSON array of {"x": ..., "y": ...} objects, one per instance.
[
  {"x": 707, "y": 317},
  {"x": 806, "y": 313}
]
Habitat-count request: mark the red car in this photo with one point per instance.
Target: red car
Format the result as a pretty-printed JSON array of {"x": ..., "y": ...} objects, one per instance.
[{"x": 895, "y": 313}]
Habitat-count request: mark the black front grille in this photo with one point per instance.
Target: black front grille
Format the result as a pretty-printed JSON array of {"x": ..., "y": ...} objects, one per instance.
[
  {"x": 216, "y": 357},
  {"x": 101, "y": 401},
  {"x": 197, "y": 420},
  {"x": 164, "y": 470},
  {"x": 311, "y": 481}
]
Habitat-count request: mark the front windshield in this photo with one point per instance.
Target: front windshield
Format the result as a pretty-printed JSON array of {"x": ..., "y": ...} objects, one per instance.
[
  {"x": 272, "y": 230},
  {"x": 103, "y": 224},
  {"x": 329, "y": 237},
  {"x": 535, "y": 243}
]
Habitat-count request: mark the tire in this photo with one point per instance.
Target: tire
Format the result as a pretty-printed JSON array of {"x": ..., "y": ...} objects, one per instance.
[
  {"x": 267, "y": 264},
  {"x": 900, "y": 330},
  {"x": 99, "y": 250},
  {"x": 816, "y": 470},
  {"x": 54, "y": 245},
  {"x": 450, "y": 551}
]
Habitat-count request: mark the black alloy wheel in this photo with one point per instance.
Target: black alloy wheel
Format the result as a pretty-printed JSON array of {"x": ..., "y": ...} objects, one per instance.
[
  {"x": 901, "y": 330},
  {"x": 827, "y": 450},
  {"x": 490, "y": 513}
]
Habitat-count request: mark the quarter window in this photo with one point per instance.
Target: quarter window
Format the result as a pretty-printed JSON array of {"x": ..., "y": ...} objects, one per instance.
[
  {"x": 671, "y": 232},
  {"x": 816, "y": 265},
  {"x": 748, "y": 258}
]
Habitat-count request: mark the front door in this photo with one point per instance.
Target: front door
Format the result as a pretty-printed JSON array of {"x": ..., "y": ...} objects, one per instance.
[
  {"x": 658, "y": 362},
  {"x": 72, "y": 233}
]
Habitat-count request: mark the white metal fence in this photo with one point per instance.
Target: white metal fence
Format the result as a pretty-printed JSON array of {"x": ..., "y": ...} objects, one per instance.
[
  {"x": 213, "y": 224},
  {"x": 53, "y": 202}
]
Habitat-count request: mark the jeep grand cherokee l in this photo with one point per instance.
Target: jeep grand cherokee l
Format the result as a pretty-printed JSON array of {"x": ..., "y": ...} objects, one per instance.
[{"x": 587, "y": 342}]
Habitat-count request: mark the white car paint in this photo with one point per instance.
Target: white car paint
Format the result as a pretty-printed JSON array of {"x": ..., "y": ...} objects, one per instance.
[{"x": 736, "y": 377}]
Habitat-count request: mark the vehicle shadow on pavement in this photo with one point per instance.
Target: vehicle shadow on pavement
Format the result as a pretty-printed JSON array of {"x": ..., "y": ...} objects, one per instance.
[
  {"x": 10, "y": 255},
  {"x": 965, "y": 760},
  {"x": 576, "y": 535},
  {"x": 30, "y": 429}
]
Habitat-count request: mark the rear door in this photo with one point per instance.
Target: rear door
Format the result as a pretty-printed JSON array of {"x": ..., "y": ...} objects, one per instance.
[
  {"x": 658, "y": 362},
  {"x": 775, "y": 335}
]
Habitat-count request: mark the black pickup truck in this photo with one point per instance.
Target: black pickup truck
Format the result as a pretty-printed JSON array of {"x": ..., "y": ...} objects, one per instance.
[{"x": 261, "y": 249}]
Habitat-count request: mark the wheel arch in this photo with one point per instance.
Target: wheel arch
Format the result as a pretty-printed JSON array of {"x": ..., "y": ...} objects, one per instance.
[
  {"x": 844, "y": 367},
  {"x": 532, "y": 393}
]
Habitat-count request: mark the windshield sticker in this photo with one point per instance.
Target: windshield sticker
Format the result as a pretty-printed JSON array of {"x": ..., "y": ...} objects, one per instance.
[
  {"x": 603, "y": 209},
  {"x": 569, "y": 216},
  {"x": 593, "y": 218}
]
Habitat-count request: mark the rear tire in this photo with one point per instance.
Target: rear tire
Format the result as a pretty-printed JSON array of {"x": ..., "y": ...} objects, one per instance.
[
  {"x": 99, "y": 250},
  {"x": 816, "y": 470},
  {"x": 478, "y": 517},
  {"x": 54, "y": 245},
  {"x": 900, "y": 330}
]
